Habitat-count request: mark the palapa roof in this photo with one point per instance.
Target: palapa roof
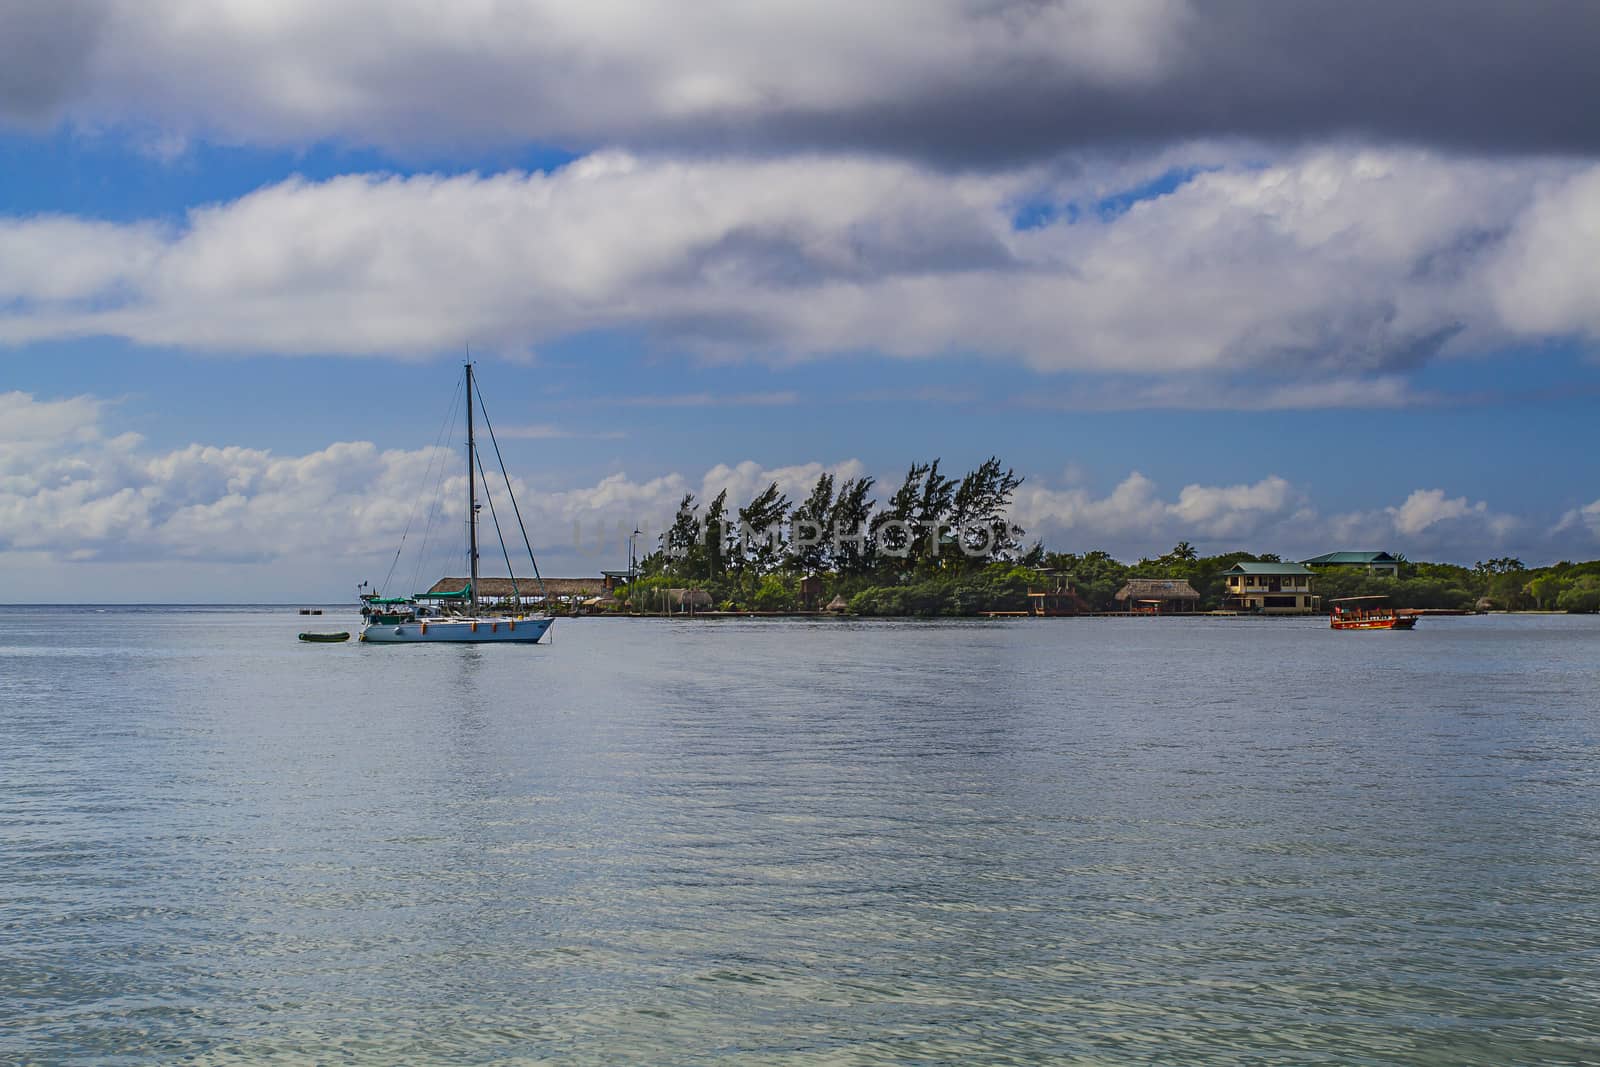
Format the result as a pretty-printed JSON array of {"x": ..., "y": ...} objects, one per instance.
[
  {"x": 838, "y": 603},
  {"x": 1157, "y": 589},
  {"x": 529, "y": 586}
]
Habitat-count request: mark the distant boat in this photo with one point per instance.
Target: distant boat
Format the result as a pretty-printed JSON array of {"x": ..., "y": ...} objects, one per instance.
[
  {"x": 1368, "y": 613},
  {"x": 342, "y": 635},
  {"x": 455, "y": 617}
]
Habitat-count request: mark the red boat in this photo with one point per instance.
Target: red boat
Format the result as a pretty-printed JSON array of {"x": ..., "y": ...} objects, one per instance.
[{"x": 1368, "y": 613}]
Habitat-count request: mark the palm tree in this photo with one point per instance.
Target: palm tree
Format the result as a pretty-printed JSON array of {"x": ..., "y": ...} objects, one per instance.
[{"x": 1185, "y": 551}]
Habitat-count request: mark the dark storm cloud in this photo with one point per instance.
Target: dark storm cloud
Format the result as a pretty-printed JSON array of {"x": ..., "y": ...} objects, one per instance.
[
  {"x": 982, "y": 83},
  {"x": 45, "y": 47},
  {"x": 1467, "y": 75}
]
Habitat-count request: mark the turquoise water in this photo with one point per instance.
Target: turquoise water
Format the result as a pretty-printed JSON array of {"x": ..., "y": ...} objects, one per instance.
[{"x": 1096, "y": 841}]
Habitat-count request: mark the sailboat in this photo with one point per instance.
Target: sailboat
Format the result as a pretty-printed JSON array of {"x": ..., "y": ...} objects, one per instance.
[{"x": 457, "y": 617}]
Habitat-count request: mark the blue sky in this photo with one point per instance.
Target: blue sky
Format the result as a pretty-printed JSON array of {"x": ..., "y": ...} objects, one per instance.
[{"x": 223, "y": 272}]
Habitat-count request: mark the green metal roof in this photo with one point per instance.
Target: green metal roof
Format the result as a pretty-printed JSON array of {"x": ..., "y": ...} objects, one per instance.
[
  {"x": 1351, "y": 558},
  {"x": 1267, "y": 568}
]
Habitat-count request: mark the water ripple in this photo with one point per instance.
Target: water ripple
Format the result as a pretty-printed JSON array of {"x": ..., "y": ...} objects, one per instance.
[{"x": 1069, "y": 841}]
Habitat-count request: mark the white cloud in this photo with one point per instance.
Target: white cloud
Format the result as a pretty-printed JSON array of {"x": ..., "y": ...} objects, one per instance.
[
  {"x": 73, "y": 492},
  {"x": 1545, "y": 280},
  {"x": 1232, "y": 511},
  {"x": 744, "y": 481},
  {"x": 27, "y": 425},
  {"x": 431, "y": 72},
  {"x": 1425, "y": 507},
  {"x": 54, "y": 258},
  {"x": 103, "y": 514},
  {"x": 1134, "y": 514},
  {"x": 1273, "y": 515},
  {"x": 1429, "y": 523},
  {"x": 1585, "y": 519},
  {"x": 382, "y": 265},
  {"x": 1330, "y": 274},
  {"x": 103, "y": 498}
]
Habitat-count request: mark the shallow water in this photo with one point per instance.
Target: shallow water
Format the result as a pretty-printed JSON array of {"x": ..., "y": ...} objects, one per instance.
[{"x": 1098, "y": 841}]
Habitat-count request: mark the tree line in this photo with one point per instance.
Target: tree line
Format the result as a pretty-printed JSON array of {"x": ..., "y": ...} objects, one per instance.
[
  {"x": 932, "y": 527},
  {"x": 944, "y": 545}
]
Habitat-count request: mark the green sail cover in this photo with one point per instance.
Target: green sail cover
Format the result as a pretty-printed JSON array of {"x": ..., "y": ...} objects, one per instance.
[
  {"x": 390, "y": 600},
  {"x": 462, "y": 594}
]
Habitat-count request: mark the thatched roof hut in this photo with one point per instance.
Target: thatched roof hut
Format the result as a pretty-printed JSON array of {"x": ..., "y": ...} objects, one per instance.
[
  {"x": 838, "y": 603},
  {"x": 1158, "y": 596},
  {"x": 495, "y": 588}
]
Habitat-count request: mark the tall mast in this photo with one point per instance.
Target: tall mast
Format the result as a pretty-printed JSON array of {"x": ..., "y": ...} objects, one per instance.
[{"x": 472, "y": 500}]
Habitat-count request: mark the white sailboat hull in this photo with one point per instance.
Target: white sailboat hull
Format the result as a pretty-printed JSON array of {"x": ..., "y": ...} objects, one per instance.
[{"x": 483, "y": 631}]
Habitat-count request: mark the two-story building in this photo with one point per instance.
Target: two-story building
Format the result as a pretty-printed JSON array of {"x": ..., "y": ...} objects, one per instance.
[{"x": 1270, "y": 588}]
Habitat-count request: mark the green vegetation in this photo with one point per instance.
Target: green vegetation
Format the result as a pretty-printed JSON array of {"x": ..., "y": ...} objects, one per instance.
[
  {"x": 1565, "y": 587},
  {"x": 1506, "y": 584},
  {"x": 996, "y": 587},
  {"x": 942, "y": 546}
]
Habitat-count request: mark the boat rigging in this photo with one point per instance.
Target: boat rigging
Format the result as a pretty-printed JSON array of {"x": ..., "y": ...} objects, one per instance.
[{"x": 459, "y": 617}]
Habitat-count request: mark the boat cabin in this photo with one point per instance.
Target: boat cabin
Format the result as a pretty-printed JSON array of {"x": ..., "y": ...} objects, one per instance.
[
  {"x": 1369, "y": 613},
  {"x": 388, "y": 610}
]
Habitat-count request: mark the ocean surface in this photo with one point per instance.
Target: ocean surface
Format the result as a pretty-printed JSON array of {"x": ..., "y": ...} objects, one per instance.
[{"x": 791, "y": 842}]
